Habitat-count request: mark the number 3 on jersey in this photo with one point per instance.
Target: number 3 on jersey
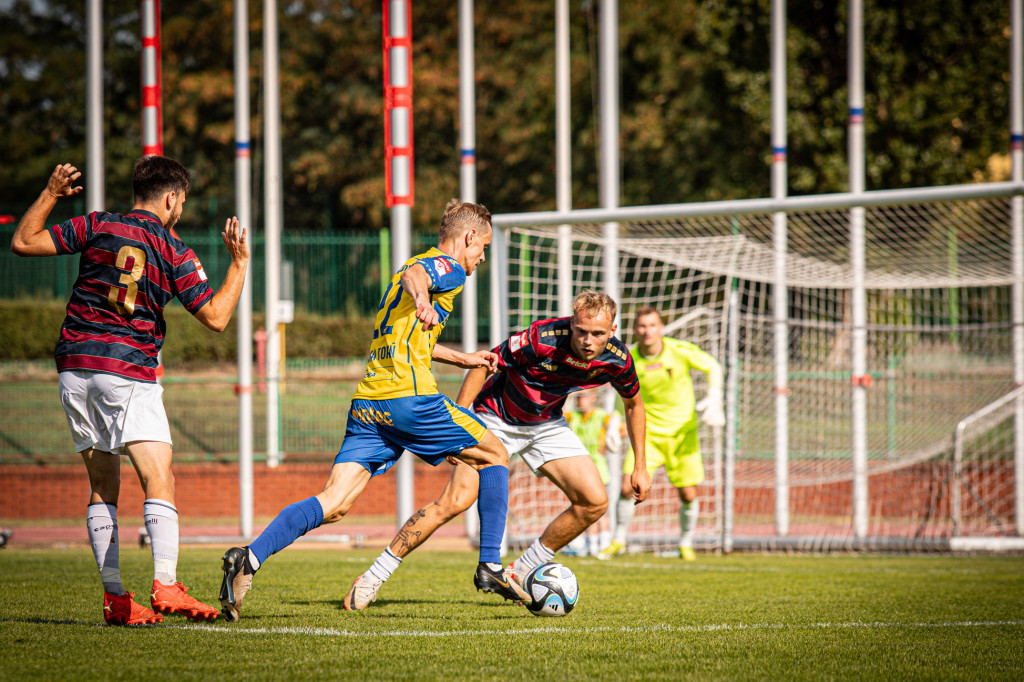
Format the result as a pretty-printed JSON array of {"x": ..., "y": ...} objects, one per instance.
[{"x": 129, "y": 278}]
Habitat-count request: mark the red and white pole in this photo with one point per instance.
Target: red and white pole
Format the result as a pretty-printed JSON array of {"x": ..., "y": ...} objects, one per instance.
[
  {"x": 398, "y": 102},
  {"x": 152, "y": 111}
]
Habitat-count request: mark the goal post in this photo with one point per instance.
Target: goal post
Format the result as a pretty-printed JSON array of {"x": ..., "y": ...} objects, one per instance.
[{"x": 938, "y": 287}]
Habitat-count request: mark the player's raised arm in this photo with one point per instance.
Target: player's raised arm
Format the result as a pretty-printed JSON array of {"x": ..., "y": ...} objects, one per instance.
[
  {"x": 31, "y": 237},
  {"x": 416, "y": 282},
  {"x": 217, "y": 313},
  {"x": 636, "y": 426}
]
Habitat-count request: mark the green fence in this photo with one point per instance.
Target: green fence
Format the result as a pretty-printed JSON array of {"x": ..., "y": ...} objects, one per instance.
[{"x": 333, "y": 273}]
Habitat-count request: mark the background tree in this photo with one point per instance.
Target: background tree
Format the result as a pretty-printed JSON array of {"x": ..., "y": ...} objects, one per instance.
[{"x": 695, "y": 89}]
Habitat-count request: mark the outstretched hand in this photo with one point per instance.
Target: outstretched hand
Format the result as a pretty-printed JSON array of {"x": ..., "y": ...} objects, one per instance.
[
  {"x": 234, "y": 239},
  {"x": 62, "y": 181}
]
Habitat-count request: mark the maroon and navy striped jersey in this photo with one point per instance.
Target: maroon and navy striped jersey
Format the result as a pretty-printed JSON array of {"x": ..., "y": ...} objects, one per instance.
[
  {"x": 129, "y": 269},
  {"x": 537, "y": 371}
]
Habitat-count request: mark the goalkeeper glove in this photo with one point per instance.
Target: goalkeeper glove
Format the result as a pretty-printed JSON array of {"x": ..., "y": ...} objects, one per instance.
[{"x": 712, "y": 410}]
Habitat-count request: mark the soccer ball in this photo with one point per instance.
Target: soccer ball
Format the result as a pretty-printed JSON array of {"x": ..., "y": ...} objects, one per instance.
[{"x": 553, "y": 588}]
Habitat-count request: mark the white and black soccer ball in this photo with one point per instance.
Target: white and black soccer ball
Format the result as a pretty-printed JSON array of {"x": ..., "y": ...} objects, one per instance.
[{"x": 554, "y": 590}]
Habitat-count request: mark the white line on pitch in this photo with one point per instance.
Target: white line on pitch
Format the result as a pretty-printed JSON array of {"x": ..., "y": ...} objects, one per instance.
[{"x": 725, "y": 627}]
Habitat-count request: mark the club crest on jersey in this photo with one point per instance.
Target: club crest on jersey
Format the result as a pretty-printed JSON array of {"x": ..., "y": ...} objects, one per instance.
[
  {"x": 573, "y": 362},
  {"x": 442, "y": 266},
  {"x": 199, "y": 269},
  {"x": 517, "y": 342},
  {"x": 652, "y": 367}
]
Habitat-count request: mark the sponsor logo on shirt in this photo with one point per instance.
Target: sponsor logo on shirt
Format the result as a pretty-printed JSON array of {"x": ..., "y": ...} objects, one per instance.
[
  {"x": 652, "y": 367},
  {"x": 573, "y": 362},
  {"x": 199, "y": 269},
  {"x": 517, "y": 342},
  {"x": 442, "y": 266}
]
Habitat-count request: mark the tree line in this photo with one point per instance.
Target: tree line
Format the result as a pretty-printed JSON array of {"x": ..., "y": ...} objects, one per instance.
[{"x": 695, "y": 100}]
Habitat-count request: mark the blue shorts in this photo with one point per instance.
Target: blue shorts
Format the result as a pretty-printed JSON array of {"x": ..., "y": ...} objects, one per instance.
[{"x": 429, "y": 426}]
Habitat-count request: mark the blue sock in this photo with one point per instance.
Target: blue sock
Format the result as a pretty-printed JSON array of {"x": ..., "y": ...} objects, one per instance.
[
  {"x": 493, "y": 507},
  {"x": 293, "y": 522}
]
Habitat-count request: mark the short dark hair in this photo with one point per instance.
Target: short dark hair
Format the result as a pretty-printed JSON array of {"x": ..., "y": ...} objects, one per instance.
[
  {"x": 155, "y": 175},
  {"x": 646, "y": 310},
  {"x": 460, "y": 216}
]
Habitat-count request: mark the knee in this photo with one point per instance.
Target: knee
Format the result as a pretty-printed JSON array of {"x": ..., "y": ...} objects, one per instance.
[
  {"x": 688, "y": 494},
  {"x": 592, "y": 510}
]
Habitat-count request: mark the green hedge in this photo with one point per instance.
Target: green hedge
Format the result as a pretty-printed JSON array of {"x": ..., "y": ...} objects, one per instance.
[{"x": 29, "y": 330}]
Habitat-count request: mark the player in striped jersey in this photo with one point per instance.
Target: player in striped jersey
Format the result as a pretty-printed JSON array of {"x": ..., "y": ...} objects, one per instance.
[
  {"x": 537, "y": 369},
  {"x": 130, "y": 268},
  {"x": 397, "y": 407},
  {"x": 664, "y": 365}
]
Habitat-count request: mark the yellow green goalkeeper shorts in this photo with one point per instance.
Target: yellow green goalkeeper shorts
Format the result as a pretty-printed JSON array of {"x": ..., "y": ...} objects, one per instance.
[{"x": 679, "y": 454}]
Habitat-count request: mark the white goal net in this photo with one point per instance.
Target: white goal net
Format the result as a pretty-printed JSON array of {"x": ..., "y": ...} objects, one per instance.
[{"x": 938, "y": 284}]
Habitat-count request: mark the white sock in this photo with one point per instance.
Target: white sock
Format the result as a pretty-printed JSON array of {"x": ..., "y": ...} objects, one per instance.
[
  {"x": 386, "y": 564},
  {"x": 688, "y": 513},
  {"x": 253, "y": 561},
  {"x": 624, "y": 509},
  {"x": 594, "y": 544},
  {"x": 101, "y": 520},
  {"x": 535, "y": 555},
  {"x": 605, "y": 538},
  {"x": 162, "y": 525}
]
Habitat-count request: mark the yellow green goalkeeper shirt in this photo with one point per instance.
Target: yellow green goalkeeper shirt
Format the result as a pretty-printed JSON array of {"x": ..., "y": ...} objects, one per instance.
[
  {"x": 667, "y": 388},
  {"x": 400, "y": 353}
]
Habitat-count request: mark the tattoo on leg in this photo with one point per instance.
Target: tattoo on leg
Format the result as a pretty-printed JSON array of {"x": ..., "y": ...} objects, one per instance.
[{"x": 407, "y": 540}]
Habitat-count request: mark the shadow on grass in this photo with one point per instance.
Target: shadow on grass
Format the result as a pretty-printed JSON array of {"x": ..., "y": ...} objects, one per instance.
[{"x": 54, "y": 621}]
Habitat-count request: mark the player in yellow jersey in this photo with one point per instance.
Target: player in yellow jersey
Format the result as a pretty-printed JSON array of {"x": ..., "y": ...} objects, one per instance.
[
  {"x": 397, "y": 407},
  {"x": 663, "y": 365}
]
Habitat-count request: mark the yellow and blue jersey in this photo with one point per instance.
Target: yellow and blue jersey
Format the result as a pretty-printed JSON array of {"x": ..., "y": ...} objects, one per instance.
[{"x": 400, "y": 353}]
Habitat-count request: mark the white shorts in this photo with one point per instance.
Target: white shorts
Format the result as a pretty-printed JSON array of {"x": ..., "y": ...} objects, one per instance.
[
  {"x": 106, "y": 411},
  {"x": 537, "y": 444}
]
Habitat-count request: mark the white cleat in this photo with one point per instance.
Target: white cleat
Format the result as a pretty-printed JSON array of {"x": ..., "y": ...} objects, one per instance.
[{"x": 364, "y": 590}]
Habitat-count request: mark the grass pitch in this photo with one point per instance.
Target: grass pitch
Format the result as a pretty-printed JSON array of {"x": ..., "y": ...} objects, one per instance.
[{"x": 639, "y": 617}]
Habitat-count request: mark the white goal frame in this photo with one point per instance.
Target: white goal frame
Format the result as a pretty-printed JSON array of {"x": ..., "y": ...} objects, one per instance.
[{"x": 860, "y": 538}]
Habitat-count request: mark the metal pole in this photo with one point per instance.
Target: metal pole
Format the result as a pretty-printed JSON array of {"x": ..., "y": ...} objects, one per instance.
[
  {"x": 152, "y": 125},
  {"x": 732, "y": 382},
  {"x": 467, "y": 169},
  {"x": 608, "y": 179},
  {"x": 399, "y": 162},
  {"x": 1017, "y": 204},
  {"x": 608, "y": 50},
  {"x": 563, "y": 154},
  {"x": 857, "y": 264},
  {"x": 243, "y": 207},
  {"x": 467, "y": 190},
  {"x": 780, "y": 302},
  {"x": 272, "y": 223},
  {"x": 95, "y": 199}
]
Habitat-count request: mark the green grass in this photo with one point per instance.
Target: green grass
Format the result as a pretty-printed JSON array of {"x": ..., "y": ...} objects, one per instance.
[{"x": 639, "y": 617}]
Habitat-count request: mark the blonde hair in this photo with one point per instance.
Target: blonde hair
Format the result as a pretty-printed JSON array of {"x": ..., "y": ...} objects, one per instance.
[
  {"x": 460, "y": 216},
  {"x": 594, "y": 303}
]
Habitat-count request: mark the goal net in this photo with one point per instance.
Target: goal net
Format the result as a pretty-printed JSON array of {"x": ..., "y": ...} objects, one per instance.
[{"x": 938, "y": 286}]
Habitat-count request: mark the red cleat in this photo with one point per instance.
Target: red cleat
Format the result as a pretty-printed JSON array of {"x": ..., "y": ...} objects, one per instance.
[
  {"x": 123, "y": 610},
  {"x": 175, "y": 599}
]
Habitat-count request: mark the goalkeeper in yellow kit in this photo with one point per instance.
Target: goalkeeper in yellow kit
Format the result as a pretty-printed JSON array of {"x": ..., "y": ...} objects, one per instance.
[{"x": 663, "y": 366}]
